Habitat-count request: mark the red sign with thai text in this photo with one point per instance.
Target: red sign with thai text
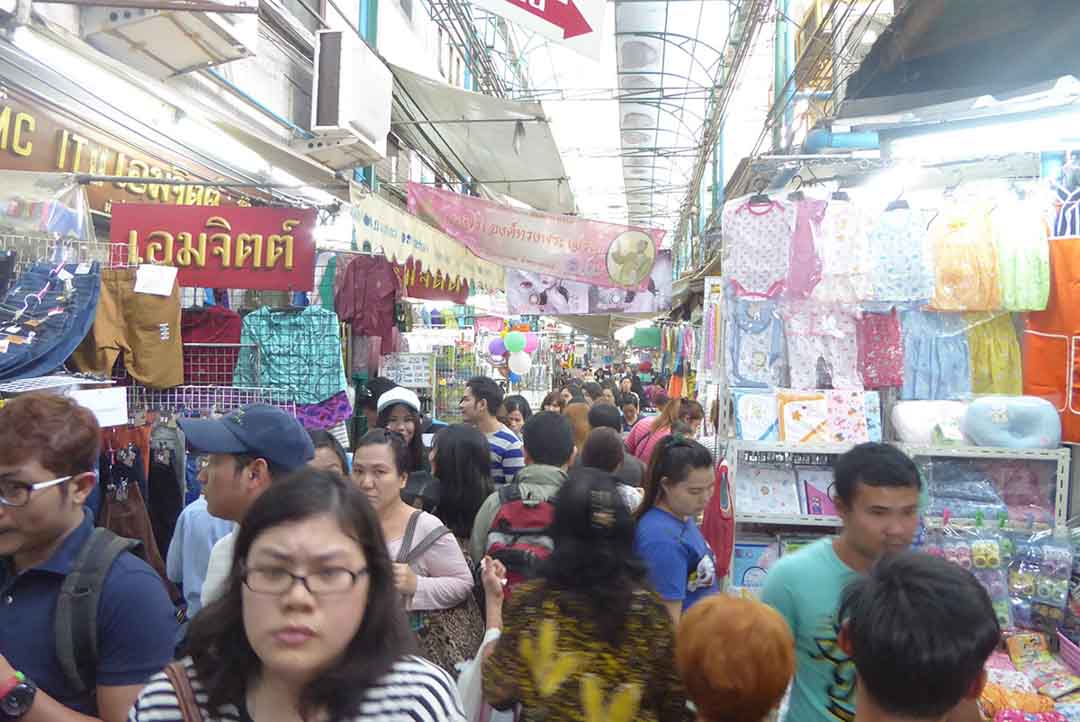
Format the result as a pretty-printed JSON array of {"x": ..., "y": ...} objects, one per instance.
[
  {"x": 267, "y": 249},
  {"x": 418, "y": 282}
]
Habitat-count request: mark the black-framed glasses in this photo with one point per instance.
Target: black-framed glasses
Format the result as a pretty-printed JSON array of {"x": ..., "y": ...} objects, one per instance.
[
  {"x": 279, "y": 580},
  {"x": 17, "y": 493}
]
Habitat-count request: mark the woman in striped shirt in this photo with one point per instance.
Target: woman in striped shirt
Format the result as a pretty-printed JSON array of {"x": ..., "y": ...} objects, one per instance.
[{"x": 310, "y": 628}]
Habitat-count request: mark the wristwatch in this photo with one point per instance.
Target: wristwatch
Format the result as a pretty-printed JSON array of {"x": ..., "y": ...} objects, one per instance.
[{"x": 18, "y": 696}]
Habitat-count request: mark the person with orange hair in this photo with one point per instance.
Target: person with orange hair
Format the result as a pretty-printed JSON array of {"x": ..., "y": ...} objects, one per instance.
[{"x": 736, "y": 657}]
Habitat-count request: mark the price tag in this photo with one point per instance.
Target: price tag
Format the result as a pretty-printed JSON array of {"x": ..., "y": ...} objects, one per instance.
[
  {"x": 82, "y": 269},
  {"x": 65, "y": 275},
  {"x": 3, "y": 345},
  {"x": 155, "y": 280}
]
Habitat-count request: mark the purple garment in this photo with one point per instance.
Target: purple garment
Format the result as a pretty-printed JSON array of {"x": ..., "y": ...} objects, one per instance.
[{"x": 325, "y": 414}]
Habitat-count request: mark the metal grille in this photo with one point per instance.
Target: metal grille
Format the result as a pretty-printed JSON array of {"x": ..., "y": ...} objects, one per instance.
[
  {"x": 206, "y": 364},
  {"x": 454, "y": 366},
  {"x": 31, "y": 249},
  {"x": 205, "y": 400}
]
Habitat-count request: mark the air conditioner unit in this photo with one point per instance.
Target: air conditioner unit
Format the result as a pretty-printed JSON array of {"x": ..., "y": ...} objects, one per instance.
[
  {"x": 163, "y": 43},
  {"x": 352, "y": 92},
  {"x": 340, "y": 150}
]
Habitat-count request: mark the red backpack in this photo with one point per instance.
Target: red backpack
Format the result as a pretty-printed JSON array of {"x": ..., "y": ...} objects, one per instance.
[{"x": 520, "y": 535}]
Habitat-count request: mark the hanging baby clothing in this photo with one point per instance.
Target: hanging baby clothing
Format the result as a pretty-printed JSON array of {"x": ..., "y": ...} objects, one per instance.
[
  {"x": 805, "y": 264},
  {"x": 822, "y": 348},
  {"x": 965, "y": 261},
  {"x": 937, "y": 358},
  {"x": 881, "y": 350},
  {"x": 900, "y": 260},
  {"x": 1052, "y": 340},
  {"x": 755, "y": 342},
  {"x": 995, "y": 354},
  {"x": 1023, "y": 250},
  {"x": 845, "y": 255},
  {"x": 758, "y": 239}
]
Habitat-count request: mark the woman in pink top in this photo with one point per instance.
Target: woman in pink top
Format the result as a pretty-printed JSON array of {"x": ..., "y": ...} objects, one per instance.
[{"x": 647, "y": 433}]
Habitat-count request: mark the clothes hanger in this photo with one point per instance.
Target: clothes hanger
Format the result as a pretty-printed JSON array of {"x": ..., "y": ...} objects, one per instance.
[
  {"x": 760, "y": 197},
  {"x": 797, "y": 194}
]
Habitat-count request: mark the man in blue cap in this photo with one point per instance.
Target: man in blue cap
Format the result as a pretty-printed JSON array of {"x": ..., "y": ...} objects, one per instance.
[{"x": 245, "y": 451}]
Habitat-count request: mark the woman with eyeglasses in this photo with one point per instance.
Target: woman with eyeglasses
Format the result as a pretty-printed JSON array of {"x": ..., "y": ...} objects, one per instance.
[
  {"x": 430, "y": 571},
  {"x": 678, "y": 483},
  {"x": 309, "y": 628}
]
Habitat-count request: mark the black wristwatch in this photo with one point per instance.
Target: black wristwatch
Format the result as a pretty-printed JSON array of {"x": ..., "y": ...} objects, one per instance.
[{"x": 19, "y": 700}]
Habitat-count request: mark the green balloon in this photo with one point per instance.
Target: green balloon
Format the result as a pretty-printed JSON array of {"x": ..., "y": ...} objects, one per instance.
[{"x": 515, "y": 341}]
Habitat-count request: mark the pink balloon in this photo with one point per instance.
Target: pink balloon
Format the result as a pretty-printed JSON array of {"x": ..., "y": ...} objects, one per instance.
[{"x": 532, "y": 342}]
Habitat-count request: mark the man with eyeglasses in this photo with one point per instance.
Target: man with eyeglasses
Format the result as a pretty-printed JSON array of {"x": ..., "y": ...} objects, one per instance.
[
  {"x": 49, "y": 448},
  {"x": 245, "y": 451}
]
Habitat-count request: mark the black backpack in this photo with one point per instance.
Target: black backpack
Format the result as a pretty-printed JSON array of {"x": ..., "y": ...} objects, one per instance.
[{"x": 77, "y": 607}]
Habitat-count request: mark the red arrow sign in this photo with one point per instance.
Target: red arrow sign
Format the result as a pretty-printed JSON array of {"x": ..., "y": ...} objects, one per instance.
[{"x": 564, "y": 15}]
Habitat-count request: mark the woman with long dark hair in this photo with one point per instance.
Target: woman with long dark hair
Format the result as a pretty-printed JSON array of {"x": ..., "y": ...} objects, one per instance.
[
  {"x": 647, "y": 433},
  {"x": 309, "y": 627},
  {"x": 461, "y": 462},
  {"x": 516, "y": 411},
  {"x": 678, "y": 484},
  {"x": 399, "y": 411},
  {"x": 591, "y": 616}
]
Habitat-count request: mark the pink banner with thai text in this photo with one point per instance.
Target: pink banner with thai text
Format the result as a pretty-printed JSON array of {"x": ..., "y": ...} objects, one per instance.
[{"x": 570, "y": 248}]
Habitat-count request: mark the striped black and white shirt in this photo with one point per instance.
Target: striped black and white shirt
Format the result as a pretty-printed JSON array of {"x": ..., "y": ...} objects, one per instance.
[{"x": 412, "y": 691}]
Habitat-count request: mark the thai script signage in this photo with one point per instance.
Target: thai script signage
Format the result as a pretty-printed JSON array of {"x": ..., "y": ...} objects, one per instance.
[{"x": 257, "y": 248}]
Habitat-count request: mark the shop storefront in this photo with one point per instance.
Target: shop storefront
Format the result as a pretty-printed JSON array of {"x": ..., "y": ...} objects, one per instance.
[{"x": 920, "y": 299}]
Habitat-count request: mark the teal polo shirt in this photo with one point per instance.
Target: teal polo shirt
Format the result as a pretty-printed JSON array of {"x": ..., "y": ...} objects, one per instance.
[{"x": 136, "y": 622}]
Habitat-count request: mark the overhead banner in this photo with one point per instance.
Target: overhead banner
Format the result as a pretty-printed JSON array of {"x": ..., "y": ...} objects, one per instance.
[
  {"x": 402, "y": 236},
  {"x": 577, "y": 24},
  {"x": 536, "y": 293},
  {"x": 226, "y": 247},
  {"x": 570, "y": 248},
  {"x": 418, "y": 282}
]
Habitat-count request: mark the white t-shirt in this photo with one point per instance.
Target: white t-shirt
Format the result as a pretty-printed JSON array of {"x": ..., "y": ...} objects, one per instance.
[{"x": 217, "y": 571}]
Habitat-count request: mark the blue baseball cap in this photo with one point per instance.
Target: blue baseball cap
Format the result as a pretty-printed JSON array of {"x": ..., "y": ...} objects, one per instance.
[{"x": 258, "y": 430}]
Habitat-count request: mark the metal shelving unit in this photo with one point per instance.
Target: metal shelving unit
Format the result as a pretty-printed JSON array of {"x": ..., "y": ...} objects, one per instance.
[{"x": 780, "y": 454}]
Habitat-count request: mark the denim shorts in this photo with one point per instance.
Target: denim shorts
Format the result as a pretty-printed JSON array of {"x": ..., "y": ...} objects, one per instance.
[{"x": 41, "y": 338}]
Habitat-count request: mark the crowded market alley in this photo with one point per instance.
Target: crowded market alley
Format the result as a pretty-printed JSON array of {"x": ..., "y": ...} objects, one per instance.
[{"x": 539, "y": 361}]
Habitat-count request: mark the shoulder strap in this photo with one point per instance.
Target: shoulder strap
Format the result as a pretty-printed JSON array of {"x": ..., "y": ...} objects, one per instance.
[
  {"x": 426, "y": 543},
  {"x": 185, "y": 695},
  {"x": 509, "y": 492},
  {"x": 406, "y": 541},
  {"x": 77, "y": 606}
]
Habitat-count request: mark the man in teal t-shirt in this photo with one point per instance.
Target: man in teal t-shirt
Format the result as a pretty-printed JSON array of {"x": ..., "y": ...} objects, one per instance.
[{"x": 876, "y": 491}]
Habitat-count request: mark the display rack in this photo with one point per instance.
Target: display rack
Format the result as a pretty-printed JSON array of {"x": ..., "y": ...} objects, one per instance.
[
  {"x": 1060, "y": 457},
  {"x": 209, "y": 400},
  {"x": 762, "y": 453},
  {"x": 784, "y": 455},
  {"x": 454, "y": 366},
  {"x": 30, "y": 249}
]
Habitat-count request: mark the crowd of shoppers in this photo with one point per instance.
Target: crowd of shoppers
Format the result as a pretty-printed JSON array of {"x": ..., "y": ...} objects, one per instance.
[{"x": 563, "y": 556}]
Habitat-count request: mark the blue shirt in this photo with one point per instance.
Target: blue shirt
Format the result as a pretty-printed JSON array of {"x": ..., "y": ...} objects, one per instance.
[
  {"x": 681, "y": 564},
  {"x": 197, "y": 531},
  {"x": 136, "y": 622},
  {"x": 507, "y": 455},
  {"x": 805, "y": 587}
]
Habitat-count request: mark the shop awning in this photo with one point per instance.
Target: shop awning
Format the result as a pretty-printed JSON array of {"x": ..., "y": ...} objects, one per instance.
[
  {"x": 505, "y": 145},
  {"x": 103, "y": 93}
]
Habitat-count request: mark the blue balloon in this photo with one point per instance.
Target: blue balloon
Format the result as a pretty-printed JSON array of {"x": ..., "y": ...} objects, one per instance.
[{"x": 514, "y": 378}]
